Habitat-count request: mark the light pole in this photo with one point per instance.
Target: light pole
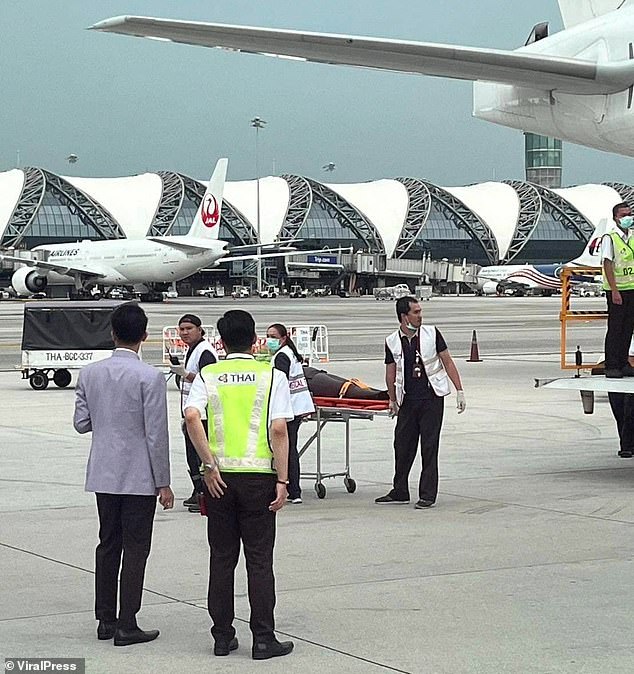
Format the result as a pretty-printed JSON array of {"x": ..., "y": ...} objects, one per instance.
[{"x": 257, "y": 123}]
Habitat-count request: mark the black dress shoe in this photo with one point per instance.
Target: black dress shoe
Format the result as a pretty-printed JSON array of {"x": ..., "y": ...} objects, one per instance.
[
  {"x": 388, "y": 498},
  {"x": 614, "y": 373},
  {"x": 127, "y": 637},
  {"x": 106, "y": 629},
  {"x": 625, "y": 454},
  {"x": 263, "y": 650},
  {"x": 225, "y": 647}
]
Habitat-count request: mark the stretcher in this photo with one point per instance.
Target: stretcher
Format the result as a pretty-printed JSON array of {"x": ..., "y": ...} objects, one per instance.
[{"x": 338, "y": 410}]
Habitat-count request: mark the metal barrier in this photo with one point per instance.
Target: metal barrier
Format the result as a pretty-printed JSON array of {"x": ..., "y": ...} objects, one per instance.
[
  {"x": 311, "y": 342},
  {"x": 569, "y": 316}
]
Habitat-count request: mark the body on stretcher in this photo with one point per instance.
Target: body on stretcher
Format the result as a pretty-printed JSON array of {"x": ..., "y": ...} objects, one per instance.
[{"x": 338, "y": 410}]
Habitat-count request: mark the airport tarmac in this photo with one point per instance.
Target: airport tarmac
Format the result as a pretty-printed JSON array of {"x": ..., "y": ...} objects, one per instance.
[
  {"x": 522, "y": 566},
  {"x": 357, "y": 326}
]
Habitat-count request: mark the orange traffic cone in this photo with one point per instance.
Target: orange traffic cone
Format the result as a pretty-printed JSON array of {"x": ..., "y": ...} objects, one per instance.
[{"x": 474, "y": 357}]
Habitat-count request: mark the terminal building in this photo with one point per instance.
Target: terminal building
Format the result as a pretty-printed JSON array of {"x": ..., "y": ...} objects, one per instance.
[{"x": 397, "y": 228}]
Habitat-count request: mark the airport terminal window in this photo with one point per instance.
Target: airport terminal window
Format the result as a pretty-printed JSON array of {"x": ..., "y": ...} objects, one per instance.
[
  {"x": 323, "y": 229},
  {"x": 550, "y": 242},
  {"x": 54, "y": 222},
  {"x": 185, "y": 217},
  {"x": 441, "y": 237}
]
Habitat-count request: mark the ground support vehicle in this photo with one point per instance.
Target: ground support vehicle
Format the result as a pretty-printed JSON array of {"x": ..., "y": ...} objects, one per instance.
[
  {"x": 269, "y": 292},
  {"x": 392, "y": 292},
  {"x": 240, "y": 292},
  {"x": 297, "y": 291},
  {"x": 423, "y": 292},
  {"x": 58, "y": 337}
]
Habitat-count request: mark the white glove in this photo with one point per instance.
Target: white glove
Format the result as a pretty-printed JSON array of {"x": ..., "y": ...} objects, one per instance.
[
  {"x": 394, "y": 408},
  {"x": 461, "y": 403},
  {"x": 179, "y": 370}
]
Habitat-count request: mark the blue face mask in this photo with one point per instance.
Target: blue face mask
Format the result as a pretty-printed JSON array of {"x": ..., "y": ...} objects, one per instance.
[
  {"x": 273, "y": 344},
  {"x": 627, "y": 222}
]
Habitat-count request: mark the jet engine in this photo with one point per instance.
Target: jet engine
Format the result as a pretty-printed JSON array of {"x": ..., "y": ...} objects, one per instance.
[
  {"x": 492, "y": 288},
  {"x": 26, "y": 281}
]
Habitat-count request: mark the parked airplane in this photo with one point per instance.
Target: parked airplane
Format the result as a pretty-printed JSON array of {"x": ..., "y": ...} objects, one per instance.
[
  {"x": 143, "y": 263},
  {"x": 576, "y": 85},
  {"x": 519, "y": 279}
]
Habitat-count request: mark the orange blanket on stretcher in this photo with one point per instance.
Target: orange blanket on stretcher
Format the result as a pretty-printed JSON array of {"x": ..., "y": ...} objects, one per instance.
[{"x": 353, "y": 403}]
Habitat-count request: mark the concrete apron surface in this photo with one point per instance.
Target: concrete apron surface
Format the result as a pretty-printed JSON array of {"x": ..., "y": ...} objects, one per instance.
[{"x": 524, "y": 564}]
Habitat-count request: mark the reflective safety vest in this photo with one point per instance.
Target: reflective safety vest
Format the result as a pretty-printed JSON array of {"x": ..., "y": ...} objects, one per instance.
[
  {"x": 623, "y": 263},
  {"x": 239, "y": 391},
  {"x": 434, "y": 369},
  {"x": 192, "y": 364},
  {"x": 301, "y": 399}
]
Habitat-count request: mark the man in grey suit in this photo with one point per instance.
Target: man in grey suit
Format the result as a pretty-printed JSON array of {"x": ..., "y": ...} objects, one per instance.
[{"x": 123, "y": 402}]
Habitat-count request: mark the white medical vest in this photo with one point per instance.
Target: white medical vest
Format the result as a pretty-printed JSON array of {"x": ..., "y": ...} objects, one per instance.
[{"x": 301, "y": 399}]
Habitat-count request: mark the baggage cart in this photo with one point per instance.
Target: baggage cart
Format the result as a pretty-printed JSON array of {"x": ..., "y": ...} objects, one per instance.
[{"x": 58, "y": 337}]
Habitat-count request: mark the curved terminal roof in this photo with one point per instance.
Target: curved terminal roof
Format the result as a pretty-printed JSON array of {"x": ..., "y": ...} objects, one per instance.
[
  {"x": 11, "y": 184},
  {"x": 383, "y": 205},
  {"x": 131, "y": 200},
  {"x": 496, "y": 204}
]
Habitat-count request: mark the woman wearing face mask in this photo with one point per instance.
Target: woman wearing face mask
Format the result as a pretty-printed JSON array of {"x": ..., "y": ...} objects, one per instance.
[{"x": 287, "y": 359}]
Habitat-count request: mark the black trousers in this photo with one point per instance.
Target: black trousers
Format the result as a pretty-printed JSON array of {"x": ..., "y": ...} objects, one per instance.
[
  {"x": 193, "y": 460},
  {"x": 622, "y": 405},
  {"x": 125, "y": 527},
  {"x": 242, "y": 515},
  {"x": 418, "y": 421},
  {"x": 620, "y": 328},
  {"x": 294, "y": 488}
]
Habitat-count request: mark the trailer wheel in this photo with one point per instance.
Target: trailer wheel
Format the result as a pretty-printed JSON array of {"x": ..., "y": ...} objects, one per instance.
[
  {"x": 321, "y": 490},
  {"x": 62, "y": 378},
  {"x": 38, "y": 380},
  {"x": 350, "y": 485}
]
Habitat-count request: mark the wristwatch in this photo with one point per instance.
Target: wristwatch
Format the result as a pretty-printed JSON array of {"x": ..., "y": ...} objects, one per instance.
[
  {"x": 286, "y": 482},
  {"x": 210, "y": 466}
]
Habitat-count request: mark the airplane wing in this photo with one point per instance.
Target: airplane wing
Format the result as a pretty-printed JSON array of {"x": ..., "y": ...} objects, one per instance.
[
  {"x": 525, "y": 68},
  {"x": 67, "y": 270}
]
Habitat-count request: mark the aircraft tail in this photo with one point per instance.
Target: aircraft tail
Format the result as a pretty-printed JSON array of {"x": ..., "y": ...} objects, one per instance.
[
  {"x": 591, "y": 256},
  {"x": 206, "y": 224},
  {"x": 574, "y": 12}
]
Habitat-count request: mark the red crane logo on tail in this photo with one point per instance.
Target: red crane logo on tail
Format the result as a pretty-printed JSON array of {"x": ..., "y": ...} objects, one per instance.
[{"x": 210, "y": 213}]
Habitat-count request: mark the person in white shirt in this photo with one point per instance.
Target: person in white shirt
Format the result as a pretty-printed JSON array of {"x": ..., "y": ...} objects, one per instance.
[
  {"x": 288, "y": 360},
  {"x": 617, "y": 256},
  {"x": 199, "y": 354},
  {"x": 245, "y": 458}
]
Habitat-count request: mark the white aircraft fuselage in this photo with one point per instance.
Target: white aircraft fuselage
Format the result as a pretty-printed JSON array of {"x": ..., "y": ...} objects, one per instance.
[
  {"x": 604, "y": 122},
  {"x": 130, "y": 261}
]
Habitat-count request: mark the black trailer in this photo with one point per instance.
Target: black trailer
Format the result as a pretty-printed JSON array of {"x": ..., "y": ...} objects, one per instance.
[{"x": 58, "y": 337}]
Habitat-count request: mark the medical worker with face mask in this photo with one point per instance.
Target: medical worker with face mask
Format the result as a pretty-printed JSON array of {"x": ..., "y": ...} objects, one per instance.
[
  {"x": 286, "y": 358},
  {"x": 617, "y": 255}
]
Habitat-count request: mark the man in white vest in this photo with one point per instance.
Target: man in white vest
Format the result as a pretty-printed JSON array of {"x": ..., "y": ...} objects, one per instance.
[
  {"x": 418, "y": 369},
  {"x": 199, "y": 355}
]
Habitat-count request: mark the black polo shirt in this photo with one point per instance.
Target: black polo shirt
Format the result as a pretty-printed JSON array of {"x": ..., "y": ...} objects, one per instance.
[{"x": 416, "y": 388}]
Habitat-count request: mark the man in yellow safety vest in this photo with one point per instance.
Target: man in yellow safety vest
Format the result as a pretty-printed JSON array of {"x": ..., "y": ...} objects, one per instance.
[
  {"x": 245, "y": 461},
  {"x": 617, "y": 254}
]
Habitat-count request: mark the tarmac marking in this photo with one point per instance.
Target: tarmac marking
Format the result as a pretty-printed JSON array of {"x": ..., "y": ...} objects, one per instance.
[{"x": 202, "y": 608}]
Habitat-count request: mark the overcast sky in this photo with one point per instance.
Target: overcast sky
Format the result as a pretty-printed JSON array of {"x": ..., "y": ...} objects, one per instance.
[{"x": 125, "y": 105}]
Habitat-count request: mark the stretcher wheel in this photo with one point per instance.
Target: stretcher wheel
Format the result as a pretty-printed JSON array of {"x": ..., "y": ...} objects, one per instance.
[
  {"x": 321, "y": 490},
  {"x": 38, "y": 380},
  {"x": 62, "y": 378},
  {"x": 350, "y": 485}
]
